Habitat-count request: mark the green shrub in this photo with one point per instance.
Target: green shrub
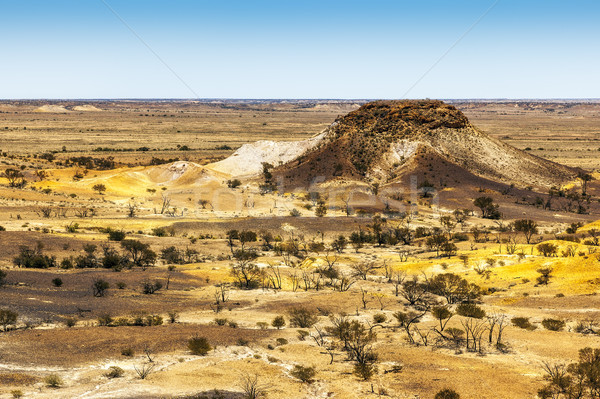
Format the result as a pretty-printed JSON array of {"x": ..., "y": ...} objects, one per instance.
[
  {"x": 278, "y": 322},
  {"x": 154, "y": 320},
  {"x": 53, "y": 381},
  {"x": 70, "y": 322},
  {"x": 365, "y": 370},
  {"x": 379, "y": 318},
  {"x": 199, "y": 346},
  {"x": 304, "y": 374},
  {"x": 553, "y": 324},
  {"x": 66, "y": 263},
  {"x": 470, "y": 310},
  {"x": 72, "y": 227},
  {"x": 159, "y": 232},
  {"x": 234, "y": 183},
  {"x": 122, "y": 322},
  {"x": 523, "y": 322},
  {"x": 114, "y": 372},
  {"x": 150, "y": 288},
  {"x": 115, "y": 235},
  {"x": 99, "y": 287},
  {"x": 302, "y": 317},
  {"x": 220, "y": 321}
]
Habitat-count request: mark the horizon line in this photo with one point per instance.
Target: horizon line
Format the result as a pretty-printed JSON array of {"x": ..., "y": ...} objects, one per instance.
[{"x": 204, "y": 99}]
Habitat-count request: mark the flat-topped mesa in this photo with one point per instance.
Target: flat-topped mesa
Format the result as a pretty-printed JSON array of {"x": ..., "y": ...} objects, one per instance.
[
  {"x": 396, "y": 119},
  {"x": 382, "y": 141}
]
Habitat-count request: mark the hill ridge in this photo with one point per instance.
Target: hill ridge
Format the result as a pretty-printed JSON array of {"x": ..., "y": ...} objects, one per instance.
[{"x": 373, "y": 143}]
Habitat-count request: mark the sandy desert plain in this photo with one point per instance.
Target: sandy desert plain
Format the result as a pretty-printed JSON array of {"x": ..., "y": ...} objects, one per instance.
[{"x": 148, "y": 249}]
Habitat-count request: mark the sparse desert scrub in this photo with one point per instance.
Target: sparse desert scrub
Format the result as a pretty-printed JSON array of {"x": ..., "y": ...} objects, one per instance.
[
  {"x": 8, "y": 318},
  {"x": 99, "y": 287},
  {"x": 523, "y": 322},
  {"x": 278, "y": 322},
  {"x": 53, "y": 381},
  {"x": 199, "y": 346},
  {"x": 114, "y": 372},
  {"x": 553, "y": 324},
  {"x": 302, "y": 317},
  {"x": 307, "y": 243},
  {"x": 144, "y": 370},
  {"x": 305, "y": 374}
]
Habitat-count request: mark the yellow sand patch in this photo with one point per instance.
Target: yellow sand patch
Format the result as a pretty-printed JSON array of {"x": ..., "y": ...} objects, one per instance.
[{"x": 589, "y": 226}]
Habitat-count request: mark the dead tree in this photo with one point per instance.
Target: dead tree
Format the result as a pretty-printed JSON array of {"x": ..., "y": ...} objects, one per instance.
[
  {"x": 403, "y": 254},
  {"x": 364, "y": 298},
  {"x": 474, "y": 328},
  {"x": 496, "y": 322},
  {"x": 380, "y": 299},
  {"x": 343, "y": 283},
  {"x": 274, "y": 277},
  {"x": 295, "y": 280},
  {"x": 407, "y": 319},
  {"x": 44, "y": 211},
  {"x": 132, "y": 209},
  {"x": 324, "y": 342},
  {"x": 398, "y": 280},
  {"x": 363, "y": 269},
  {"x": 165, "y": 203}
]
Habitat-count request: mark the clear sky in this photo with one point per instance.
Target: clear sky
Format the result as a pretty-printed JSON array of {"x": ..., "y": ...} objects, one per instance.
[{"x": 299, "y": 49}]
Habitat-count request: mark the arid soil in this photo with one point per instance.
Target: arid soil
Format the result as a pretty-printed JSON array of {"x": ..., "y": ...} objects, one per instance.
[{"x": 66, "y": 332}]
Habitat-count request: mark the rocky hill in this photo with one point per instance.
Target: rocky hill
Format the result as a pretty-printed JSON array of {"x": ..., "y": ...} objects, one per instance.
[{"x": 386, "y": 141}]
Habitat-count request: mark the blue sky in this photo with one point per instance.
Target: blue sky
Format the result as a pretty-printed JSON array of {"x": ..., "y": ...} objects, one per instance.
[{"x": 299, "y": 49}]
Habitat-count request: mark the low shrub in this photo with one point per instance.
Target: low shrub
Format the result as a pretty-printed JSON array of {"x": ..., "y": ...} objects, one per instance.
[
  {"x": 470, "y": 310},
  {"x": 129, "y": 352},
  {"x": 115, "y": 235},
  {"x": 523, "y": 322},
  {"x": 553, "y": 324},
  {"x": 53, "y": 381},
  {"x": 304, "y": 374},
  {"x": 232, "y": 324},
  {"x": 278, "y": 322},
  {"x": 199, "y": 346},
  {"x": 70, "y": 322},
  {"x": 302, "y": 317},
  {"x": 114, "y": 372}
]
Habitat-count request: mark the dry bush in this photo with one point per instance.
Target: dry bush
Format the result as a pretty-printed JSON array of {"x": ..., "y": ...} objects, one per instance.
[
  {"x": 199, "y": 346},
  {"x": 302, "y": 317},
  {"x": 304, "y": 374},
  {"x": 53, "y": 381}
]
